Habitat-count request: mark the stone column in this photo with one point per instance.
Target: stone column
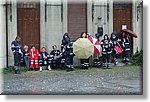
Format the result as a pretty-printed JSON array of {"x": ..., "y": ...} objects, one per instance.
[
  {"x": 2, "y": 36},
  {"x": 54, "y": 24},
  {"x": 110, "y": 20},
  {"x": 137, "y": 26},
  {"x": 12, "y": 28},
  {"x": 89, "y": 17},
  {"x": 43, "y": 20}
]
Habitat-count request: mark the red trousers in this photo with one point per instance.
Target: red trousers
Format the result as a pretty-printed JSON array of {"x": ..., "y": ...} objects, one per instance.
[{"x": 34, "y": 61}]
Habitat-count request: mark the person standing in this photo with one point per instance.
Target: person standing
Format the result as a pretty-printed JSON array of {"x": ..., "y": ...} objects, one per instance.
[
  {"x": 26, "y": 57},
  {"x": 16, "y": 49},
  {"x": 34, "y": 58},
  {"x": 84, "y": 62},
  {"x": 106, "y": 45},
  {"x": 96, "y": 58},
  {"x": 115, "y": 42},
  {"x": 67, "y": 50},
  {"x": 125, "y": 46}
]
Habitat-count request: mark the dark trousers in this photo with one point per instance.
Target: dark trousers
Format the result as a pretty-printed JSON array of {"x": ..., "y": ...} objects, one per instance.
[
  {"x": 17, "y": 58},
  {"x": 69, "y": 60},
  {"x": 114, "y": 55},
  {"x": 55, "y": 63},
  {"x": 125, "y": 55},
  {"x": 106, "y": 58},
  {"x": 84, "y": 63}
]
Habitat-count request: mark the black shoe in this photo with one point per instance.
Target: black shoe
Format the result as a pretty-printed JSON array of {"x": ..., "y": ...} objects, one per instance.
[
  {"x": 31, "y": 69},
  {"x": 116, "y": 63},
  {"x": 70, "y": 69},
  {"x": 108, "y": 67},
  {"x": 104, "y": 67},
  {"x": 17, "y": 72},
  {"x": 36, "y": 69}
]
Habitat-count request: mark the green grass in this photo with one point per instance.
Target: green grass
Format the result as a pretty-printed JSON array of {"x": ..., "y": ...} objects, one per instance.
[
  {"x": 124, "y": 69},
  {"x": 9, "y": 70}
]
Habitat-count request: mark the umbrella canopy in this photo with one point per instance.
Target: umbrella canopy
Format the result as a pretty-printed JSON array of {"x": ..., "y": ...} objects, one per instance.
[
  {"x": 83, "y": 48},
  {"x": 96, "y": 45},
  {"x": 130, "y": 32}
]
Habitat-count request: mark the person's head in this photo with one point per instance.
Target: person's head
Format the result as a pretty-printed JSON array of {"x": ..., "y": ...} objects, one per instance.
[
  {"x": 83, "y": 35},
  {"x": 54, "y": 47},
  {"x": 43, "y": 49},
  {"x": 66, "y": 36},
  {"x": 18, "y": 38},
  {"x": 106, "y": 37},
  {"x": 113, "y": 35},
  {"x": 123, "y": 34},
  {"x": 25, "y": 47},
  {"x": 88, "y": 35},
  {"x": 33, "y": 47}
]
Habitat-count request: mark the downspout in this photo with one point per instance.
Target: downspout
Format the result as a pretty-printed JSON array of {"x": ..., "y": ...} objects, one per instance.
[{"x": 6, "y": 35}]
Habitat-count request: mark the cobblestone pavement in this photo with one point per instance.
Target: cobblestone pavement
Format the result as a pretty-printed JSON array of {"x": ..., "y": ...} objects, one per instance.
[{"x": 114, "y": 81}]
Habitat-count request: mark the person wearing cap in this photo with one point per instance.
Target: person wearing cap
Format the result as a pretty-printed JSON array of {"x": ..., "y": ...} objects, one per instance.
[
  {"x": 43, "y": 59},
  {"x": 106, "y": 45},
  {"x": 55, "y": 57},
  {"x": 17, "y": 52}
]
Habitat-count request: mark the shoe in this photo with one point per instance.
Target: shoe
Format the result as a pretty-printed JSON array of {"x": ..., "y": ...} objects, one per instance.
[
  {"x": 36, "y": 69},
  {"x": 116, "y": 63},
  {"x": 40, "y": 69},
  {"x": 104, "y": 67},
  {"x": 68, "y": 70},
  {"x": 49, "y": 68},
  {"x": 71, "y": 69},
  {"x": 108, "y": 66},
  {"x": 31, "y": 69},
  {"x": 17, "y": 72}
]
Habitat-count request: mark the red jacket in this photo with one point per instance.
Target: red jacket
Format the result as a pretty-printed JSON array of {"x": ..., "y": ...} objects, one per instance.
[{"x": 34, "y": 54}]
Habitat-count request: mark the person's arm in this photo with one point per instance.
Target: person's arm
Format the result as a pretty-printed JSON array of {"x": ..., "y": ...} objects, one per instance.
[
  {"x": 111, "y": 43},
  {"x": 14, "y": 46},
  {"x": 46, "y": 55},
  {"x": 30, "y": 53},
  {"x": 127, "y": 39},
  {"x": 102, "y": 43}
]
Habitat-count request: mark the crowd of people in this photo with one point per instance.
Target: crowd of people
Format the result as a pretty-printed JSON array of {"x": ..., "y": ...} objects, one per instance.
[{"x": 35, "y": 60}]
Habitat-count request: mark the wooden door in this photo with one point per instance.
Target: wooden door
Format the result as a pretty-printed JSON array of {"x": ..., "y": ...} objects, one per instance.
[
  {"x": 77, "y": 19},
  {"x": 122, "y": 15},
  {"x": 28, "y": 24}
]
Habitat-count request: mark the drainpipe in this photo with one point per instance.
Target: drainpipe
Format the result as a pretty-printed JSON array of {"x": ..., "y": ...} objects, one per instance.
[{"x": 6, "y": 35}]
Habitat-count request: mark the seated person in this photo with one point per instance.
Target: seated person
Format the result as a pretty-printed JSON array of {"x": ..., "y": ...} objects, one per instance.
[
  {"x": 55, "y": 57},
  {"x": 43, "y": 59}
]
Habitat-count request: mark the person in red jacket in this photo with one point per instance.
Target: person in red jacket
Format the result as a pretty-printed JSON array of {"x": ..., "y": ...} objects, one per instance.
[{"x": 34, "y": 53}]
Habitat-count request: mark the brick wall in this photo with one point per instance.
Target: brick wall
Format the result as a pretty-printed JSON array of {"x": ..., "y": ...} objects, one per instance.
[{"x": 77, "y": 19}]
